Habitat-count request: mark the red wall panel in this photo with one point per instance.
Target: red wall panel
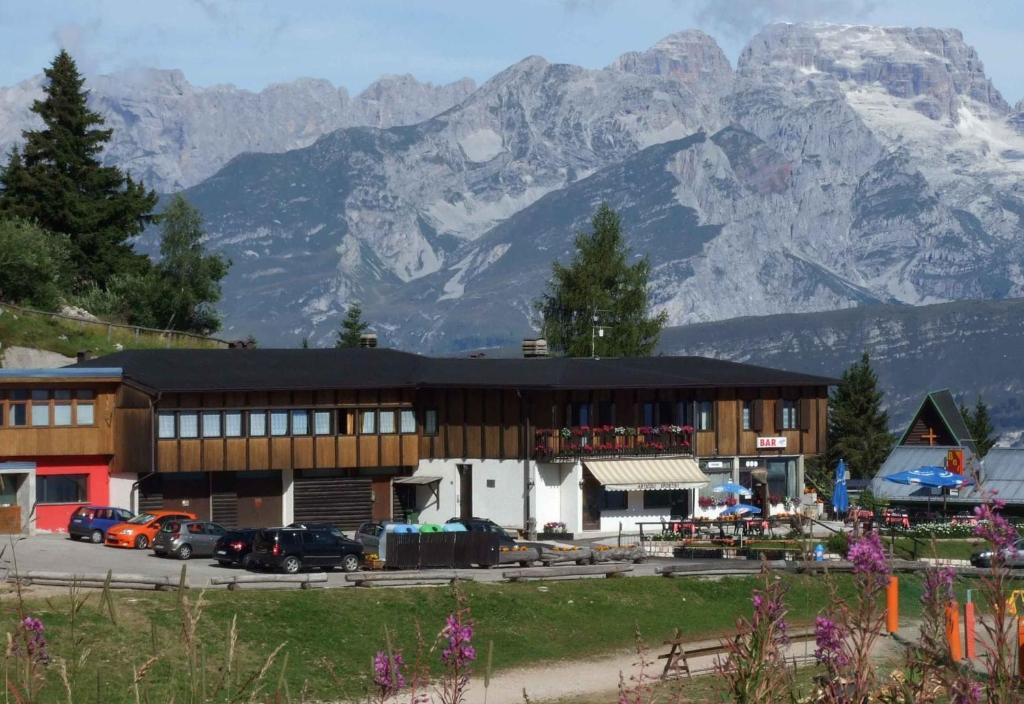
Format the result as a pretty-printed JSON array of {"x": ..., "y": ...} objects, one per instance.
[{"x": 55, "y": 517}]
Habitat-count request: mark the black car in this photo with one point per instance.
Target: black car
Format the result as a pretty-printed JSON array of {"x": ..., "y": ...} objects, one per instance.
[
  {"x": 292, "y": 549},
  {"x": 486, "y": 525},
  {"x": 233, "y": 547},
  {"x": 330, "y": 528}
]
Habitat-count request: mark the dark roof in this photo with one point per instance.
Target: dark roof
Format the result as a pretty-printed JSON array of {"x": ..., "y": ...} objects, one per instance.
[
  {"x": 306, "y": 369},
  {"x": 944, "y": 403}
]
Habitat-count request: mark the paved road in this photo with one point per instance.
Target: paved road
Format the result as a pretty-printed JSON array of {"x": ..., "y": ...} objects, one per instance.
[{"x": 57, "y": 553}]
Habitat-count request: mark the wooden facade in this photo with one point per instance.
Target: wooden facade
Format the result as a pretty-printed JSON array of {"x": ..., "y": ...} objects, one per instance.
[
  {"x": 500, "y": 424},
  {"x": 49, "y": 440}
]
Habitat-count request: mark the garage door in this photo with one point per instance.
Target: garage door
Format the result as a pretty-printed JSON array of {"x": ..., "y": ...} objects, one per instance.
[{"x": 341, "y": 501}]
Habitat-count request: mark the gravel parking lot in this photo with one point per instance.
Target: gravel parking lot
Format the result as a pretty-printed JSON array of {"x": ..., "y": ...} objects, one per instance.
[{"x": 57, "y": 553}]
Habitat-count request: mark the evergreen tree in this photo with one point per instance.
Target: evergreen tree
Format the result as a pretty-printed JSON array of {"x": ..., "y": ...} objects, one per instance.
[
  {"x": 979, "y": 423},
  {"x": 858, "y": 427},
  {"x": 186, "y": 281},
  {"x": 600, "y": 283},
  {"x": 352, "y": 327},
  {"x": 57, "y": 181}
]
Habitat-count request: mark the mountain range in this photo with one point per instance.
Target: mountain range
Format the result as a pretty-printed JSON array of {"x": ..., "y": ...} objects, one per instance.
[{"x": 834, "y": 166}]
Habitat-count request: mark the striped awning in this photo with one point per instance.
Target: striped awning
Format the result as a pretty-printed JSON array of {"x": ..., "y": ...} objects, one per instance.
[{"x": 645, "y": 474}]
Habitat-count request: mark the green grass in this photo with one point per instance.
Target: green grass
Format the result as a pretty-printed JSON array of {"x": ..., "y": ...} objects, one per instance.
[
  {"x": 946, "y": 548},
  {"x": 339, "y": 630},
  {"x": 67, "y": 337}
]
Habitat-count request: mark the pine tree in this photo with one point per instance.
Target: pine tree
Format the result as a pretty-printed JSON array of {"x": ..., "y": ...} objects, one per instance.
[
  {"x": 600, "y": 290},
  {"x": 187, "y": 280},
  {"x": 352, "y": 327},
  {"x": 56, "y": 180},
  {"x": 979, "y": 423},
  {"x": 858, "y": 427}
]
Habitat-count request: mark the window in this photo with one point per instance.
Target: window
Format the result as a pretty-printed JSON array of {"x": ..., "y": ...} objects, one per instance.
[
  {"x": 579, "y": 414},
  {"x": 407, "y": 422},
  {"x": 647, "y": 415},
  {"x": 661, "y": 498},
  {"x": 322, "y": 422},
  {"x": 300, "y": 422},
  {"x": 789, "y": 415},
  {"x": 614, "y": 500},
  {"x": 62, "y": 407},
  {"x": 346, "y": 422},
  {"x": 40, "y": 407},
  {"x": 232, "y": 424},
  {"x": 705, "y": 415},
  {"x": 606, "y": 413},
  {"x": 748, "y": 415},
  {"x": 19, "y": 409},
  {"x": 684, "y": 413},
  {"x": 664, "y": 412},
  {"x": 257, "y": 424},
  {"x": 66, "y": 489},
  {"x": 211, "y": 424},
  {"x": 278, "y": 423},
  {"x": 84, "y": 407},
  {"x": 387, "y": 421},
  {"x": 368, "y": 422},
  {"x": 165, "y": 425},
  {"x": 430, "y": 421},
  {"x": 188, "y": 424}
]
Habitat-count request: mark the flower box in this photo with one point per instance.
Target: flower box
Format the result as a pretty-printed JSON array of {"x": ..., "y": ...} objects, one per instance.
[{"x": 554, "y": 535}]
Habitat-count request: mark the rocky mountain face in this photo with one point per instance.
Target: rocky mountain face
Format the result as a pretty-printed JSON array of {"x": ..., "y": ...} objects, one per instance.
[
  {"x": 172, "y": 134},
  {"x": 966, "y": 346},
  {"x": 835, "y": 166}
]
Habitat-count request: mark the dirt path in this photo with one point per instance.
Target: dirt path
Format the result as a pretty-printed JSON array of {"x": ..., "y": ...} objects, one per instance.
[{"x": 600, "y": 676}]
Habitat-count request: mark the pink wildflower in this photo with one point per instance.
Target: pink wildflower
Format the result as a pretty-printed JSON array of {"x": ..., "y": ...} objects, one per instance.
[{"x": 868, "y": 556}]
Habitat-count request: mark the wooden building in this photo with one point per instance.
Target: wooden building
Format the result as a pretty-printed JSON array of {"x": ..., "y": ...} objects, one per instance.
[{"x": 261, "y": 437}]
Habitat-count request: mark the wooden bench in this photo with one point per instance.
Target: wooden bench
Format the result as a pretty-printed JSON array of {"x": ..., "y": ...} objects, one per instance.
[
  {"x": 677, "y": 658},
  {"x": 97, "y": 580},
  {"x": 606, "y": 570},
  {"x": 305, "y": 581},
  {"x": 368, "y": 579}
]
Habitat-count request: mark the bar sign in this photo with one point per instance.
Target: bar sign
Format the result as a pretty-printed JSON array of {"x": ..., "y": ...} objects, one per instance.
[{"x": 771, "y": 443}]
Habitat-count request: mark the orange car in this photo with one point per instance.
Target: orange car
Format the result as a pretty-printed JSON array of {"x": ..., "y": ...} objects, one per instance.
[{"x": 139, "y": 532}]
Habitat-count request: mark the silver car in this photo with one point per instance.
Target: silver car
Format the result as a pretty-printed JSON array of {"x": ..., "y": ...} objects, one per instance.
[
  {"x": 1012, "y": 557},
  {"x": 187, "y": 539}
]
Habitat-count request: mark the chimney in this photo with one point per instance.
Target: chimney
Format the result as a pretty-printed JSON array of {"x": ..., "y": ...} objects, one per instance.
[
  {"x": 368, "y": 340},
  {"x": 83, "y": 356},
  {"x": 535, "y": 348}
]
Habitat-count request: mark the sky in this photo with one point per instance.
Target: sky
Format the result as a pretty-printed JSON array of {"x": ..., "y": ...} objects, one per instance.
[{"x": 253, "y": 43}]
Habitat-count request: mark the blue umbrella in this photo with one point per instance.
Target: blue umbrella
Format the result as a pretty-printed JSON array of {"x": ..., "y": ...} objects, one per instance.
[
  {"x": 740, "y": 509},
  {"x": 731, "y": 488},
  {"x": 840, "y": 498},
  {"x": 930, "y": 476}
]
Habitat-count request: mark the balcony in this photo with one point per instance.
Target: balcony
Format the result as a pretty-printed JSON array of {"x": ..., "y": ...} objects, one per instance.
[{"x": 571, "y": 444}]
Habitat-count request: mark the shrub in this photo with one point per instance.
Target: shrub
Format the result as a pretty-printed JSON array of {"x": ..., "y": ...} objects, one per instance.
[
  {"x": 34, "y": 267},
  {"x": 838, "y": 543}
]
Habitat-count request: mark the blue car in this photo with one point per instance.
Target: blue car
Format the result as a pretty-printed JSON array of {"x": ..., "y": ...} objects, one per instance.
[{"x": 92, "y": 522}]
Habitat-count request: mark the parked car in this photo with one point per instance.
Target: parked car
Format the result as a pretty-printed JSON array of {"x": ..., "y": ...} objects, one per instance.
[
  {"x": 93, "y": 522},
  {"x": 139, "y": 532},
  {"x": 292, "y": 549},
  {"x": 234, "y": 547},
  {"x": 485, "y": 525},
  {"x": 187, "y": 539},
  {"x": 328, "y": 527},
  {"x": 369, "y": 534},
  {"x": 1012, "y": 558}
]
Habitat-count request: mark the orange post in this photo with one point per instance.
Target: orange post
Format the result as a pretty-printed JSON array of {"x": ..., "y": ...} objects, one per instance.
[
  {"x": 1020, "y": 645},
  {"x": 953, "y": 631},
  {"x": 892, "y": 605},
  {"x": 969, "y": 642}
]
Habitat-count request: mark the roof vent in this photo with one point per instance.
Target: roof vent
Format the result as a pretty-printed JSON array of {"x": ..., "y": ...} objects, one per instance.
[
  {"x": 535, "y": 348},
  {"x": 368, "y": 340}
]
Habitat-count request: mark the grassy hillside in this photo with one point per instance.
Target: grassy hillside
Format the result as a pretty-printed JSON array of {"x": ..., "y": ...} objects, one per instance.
[{"x": 22, "y": 328}]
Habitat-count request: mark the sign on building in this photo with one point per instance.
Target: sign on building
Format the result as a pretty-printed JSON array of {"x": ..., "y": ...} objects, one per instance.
[
  {"x": 771, "y": 443},
  {"x": 955, "y": 461}
]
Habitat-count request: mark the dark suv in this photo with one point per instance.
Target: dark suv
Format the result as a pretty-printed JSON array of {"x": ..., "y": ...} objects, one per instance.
[
  {"x": 485, "y": 525},
  {"x": 292, "y": 549}
]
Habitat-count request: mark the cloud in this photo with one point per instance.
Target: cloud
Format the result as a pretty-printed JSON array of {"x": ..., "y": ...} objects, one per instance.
[
  {"x": 742, "y": 18},
  {"x": 590, "y": 6},
  {"x": 76, "y": 39}
]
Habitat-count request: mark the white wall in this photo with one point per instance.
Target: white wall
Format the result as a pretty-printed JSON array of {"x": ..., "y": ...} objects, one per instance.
[
  {"x": 502, "y": 503},
  {"x": 571, "y": 498},
  {"x": 547, "y": 491},
  {"x": 437, "y": 502},
  {"x": 121, "y": 490},
  {"x": 633, "y": 513},
  {"x": 287, "y": 497}
]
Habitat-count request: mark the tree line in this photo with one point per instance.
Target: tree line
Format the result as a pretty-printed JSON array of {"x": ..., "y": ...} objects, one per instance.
[{"x": 68, "y": 225}]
